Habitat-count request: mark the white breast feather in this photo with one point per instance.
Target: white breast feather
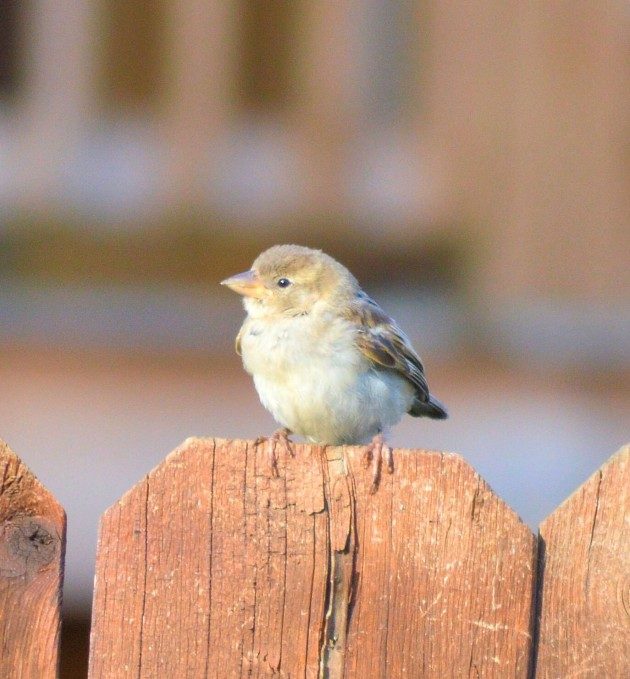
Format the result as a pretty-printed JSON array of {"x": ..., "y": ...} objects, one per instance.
[{"x": 313, "y": 380}]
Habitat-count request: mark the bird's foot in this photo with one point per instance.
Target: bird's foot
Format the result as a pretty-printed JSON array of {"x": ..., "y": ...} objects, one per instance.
[
  {"x": 280, "y": 437},
  {"x": 373, "y": 457}
]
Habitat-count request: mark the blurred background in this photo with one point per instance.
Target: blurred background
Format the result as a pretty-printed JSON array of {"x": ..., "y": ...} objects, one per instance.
[{"x": 469, "y": 161}]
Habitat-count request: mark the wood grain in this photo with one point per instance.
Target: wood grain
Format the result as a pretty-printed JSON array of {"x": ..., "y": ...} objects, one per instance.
[
  {"x": 32, "y": 535},
  {"x": 210, "y": 567},
  {"x": 585, "y": 597},
  {"x": 446, "y": 574}
]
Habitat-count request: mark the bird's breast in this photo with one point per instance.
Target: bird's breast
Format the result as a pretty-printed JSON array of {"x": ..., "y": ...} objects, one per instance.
[
  {"x": 315, "y": 381},
  {"x": 280, "y": 348}
]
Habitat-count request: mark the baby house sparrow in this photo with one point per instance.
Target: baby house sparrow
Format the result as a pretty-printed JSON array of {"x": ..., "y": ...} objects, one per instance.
[{"x": 327, "y": 361}]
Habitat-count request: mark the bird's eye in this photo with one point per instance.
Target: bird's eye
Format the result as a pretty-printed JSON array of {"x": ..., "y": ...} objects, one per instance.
[{"x": 283, "y": 282}]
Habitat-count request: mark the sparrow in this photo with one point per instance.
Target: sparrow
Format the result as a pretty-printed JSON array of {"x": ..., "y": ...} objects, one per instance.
[{"x": 327, "y": 362}]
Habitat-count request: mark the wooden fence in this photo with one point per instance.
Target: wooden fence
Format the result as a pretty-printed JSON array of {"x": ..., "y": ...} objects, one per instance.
[{"x": 209, "y": 567}]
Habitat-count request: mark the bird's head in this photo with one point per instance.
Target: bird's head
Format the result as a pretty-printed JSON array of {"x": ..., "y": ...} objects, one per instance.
[{"x": 291, "y": 280}]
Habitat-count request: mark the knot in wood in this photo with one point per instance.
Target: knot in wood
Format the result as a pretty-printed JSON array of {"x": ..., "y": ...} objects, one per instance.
[{"x": 28, "y": 544}]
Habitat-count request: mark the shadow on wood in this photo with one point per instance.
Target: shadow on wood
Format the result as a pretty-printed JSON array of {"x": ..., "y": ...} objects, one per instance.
[
  {"x": 210, "y": 567},
  {"x": 32, "y": 534}
]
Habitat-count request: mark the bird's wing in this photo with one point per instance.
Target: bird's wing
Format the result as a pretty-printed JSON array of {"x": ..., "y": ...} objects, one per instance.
[{"x": 381, "y": 340}]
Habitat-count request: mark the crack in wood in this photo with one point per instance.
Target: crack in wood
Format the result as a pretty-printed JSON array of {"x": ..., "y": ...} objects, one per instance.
[
  {"x": 210, "y": 552},
  {"x": 587, "y": 580},
  {"x": 144, "y": 576},
  {"x": 342, "y": 548}
]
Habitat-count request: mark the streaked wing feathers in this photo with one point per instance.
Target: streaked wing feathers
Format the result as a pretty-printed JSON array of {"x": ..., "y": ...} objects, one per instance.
[{"x": 384, "y": 343}]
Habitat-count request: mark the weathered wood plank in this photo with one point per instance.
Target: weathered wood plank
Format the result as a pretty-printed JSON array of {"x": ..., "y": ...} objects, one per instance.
[
  {"x": 585, "y": 594},
  {"x": 211, "y": 567},
  {"x": 446, "y": 574},
  {"x": 119, "y": 587},
  {"x": 32, "y": 535}
]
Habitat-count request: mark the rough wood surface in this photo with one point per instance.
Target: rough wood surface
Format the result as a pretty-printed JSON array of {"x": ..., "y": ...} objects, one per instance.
[
  {"x": 446, "y": 574},
  {"x": 32, "y": 533},
  {"x": 585, "y": 597},
  {"x": 211, "y": 568}
]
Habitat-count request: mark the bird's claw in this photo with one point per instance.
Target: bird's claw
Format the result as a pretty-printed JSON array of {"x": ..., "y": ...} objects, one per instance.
[
  {"x": 373, "y": 457},
  {"x": 279, "y": 437}
]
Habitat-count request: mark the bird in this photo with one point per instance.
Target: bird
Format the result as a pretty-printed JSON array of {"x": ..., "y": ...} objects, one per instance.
[{"x": 327, "y": 362}]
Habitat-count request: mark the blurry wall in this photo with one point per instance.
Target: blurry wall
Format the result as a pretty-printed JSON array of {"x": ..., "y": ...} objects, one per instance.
[{"x": 506, "y": 122}]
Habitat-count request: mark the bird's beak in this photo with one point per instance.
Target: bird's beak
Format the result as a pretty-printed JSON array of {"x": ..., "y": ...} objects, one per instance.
[{"x": 247, "y": 284}]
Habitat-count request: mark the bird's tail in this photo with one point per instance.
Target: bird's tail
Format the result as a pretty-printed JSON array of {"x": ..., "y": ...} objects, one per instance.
[{"x": 431, "y": 408}]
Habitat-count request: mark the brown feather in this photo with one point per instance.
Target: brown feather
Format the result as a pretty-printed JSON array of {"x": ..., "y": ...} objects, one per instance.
[{"x": 381, "y": 341}]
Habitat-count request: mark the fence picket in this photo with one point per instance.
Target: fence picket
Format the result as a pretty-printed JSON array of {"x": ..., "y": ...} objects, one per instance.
[
  {"x": 585, "y": 594},
  {"x": 447, "y": 575},
  {"x": 210, "y": 567},
  {"x": 32, "y": 535}
]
